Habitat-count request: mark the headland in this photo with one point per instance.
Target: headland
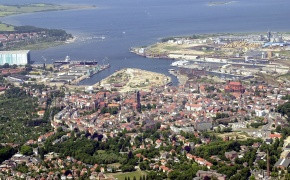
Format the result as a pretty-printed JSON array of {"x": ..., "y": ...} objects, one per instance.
[{"x": 130, "y": 79}]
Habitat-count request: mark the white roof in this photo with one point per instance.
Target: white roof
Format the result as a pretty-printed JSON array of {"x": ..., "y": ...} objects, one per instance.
[{"x": 15, "y": 52}]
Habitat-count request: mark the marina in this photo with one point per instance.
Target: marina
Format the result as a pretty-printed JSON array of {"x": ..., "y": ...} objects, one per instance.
[{"x": 69, "y": 72}]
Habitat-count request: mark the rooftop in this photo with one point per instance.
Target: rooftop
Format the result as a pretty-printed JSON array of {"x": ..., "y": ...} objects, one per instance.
[{"x": 15, "y": 52}]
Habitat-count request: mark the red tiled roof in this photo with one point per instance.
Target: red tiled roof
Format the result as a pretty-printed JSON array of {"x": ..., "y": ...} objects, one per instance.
[{"x": 275, "y": 136}]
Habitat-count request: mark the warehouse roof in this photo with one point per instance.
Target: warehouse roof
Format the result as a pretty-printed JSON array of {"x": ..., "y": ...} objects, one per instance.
[{"x": 15, "y": 52}]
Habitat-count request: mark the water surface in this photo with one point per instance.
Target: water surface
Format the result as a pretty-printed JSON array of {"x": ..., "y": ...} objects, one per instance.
[{"x": 127, "y": 23}]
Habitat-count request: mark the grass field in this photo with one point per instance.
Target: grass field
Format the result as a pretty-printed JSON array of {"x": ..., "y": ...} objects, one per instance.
[
  {"x": 5, "y": 27},
  {"x": 235, "y": 135},
  {"x": 6, "y": 10},
  {"x": 285, "y": 77},
  {"x": 121, "y": 176},
  {"x": 268, "y": 78},
  {"x": 39, "y": 46}
]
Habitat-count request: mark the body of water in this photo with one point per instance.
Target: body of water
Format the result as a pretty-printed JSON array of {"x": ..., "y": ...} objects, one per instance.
[{"x": 129, "y": 23}]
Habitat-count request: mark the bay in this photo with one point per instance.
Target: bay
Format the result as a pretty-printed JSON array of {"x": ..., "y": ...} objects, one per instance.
[{"x": 128, "y": 23}]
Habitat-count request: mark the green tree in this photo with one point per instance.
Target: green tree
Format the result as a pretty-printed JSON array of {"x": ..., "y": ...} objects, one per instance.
[
  {"x": 22, "y": 168},
  {"x": 6, "y": 65},
  {"x": 278, "y": 128},
  {"x": 252, "y": 178},
  {"x": 26, "y": 150}
]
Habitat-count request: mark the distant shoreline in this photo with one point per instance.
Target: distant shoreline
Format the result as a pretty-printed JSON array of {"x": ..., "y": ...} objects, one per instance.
[
  {"x": 15, "y": 10},
  {"x": 218, "y": 3},
  {"x": 40, "y": 8},
  {"x": 165, "y": 48}
]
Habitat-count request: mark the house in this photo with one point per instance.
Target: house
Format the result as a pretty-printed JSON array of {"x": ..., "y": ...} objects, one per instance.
[
  {"x": 203, "y": 126},
  {"x": 232, "y": 155},
  {"x": 282, "y": 164},
  {"x": 234, "y": 87},
  {"x": 256, "y": 145},
  {"x": 40, "y": 113},
  {"x": 2, "y": 88},
  {"x": 158, "y": 143},
  {"x": 203, "y": 162},
  {"x": 275, "y": 136},
  {"x": 209, "y": 174},
  {"x": 164, "y": 169}
]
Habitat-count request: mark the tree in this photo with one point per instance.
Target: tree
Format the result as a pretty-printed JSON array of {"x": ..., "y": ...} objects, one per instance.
[
  {"x": 262, "y": 164},
  {"x": 187, "y": 148},
  {"x": 252, "y": 178},
  {"x": 6, "y": 65},
  {"x": 22, "y": 168},
  {"x": 284, "y": 109},
  {"x": 174, "y": 174},
  {"x": 127, "y": 168},
  {"x": 26, "y": 150},
  {"x": 28, "y": 67},
  {"x": 278, "y": 128},
  {"x": 144, "y": 165},
  {"x": 6, "y": 152},
  {"x": 130, "y": 155}
]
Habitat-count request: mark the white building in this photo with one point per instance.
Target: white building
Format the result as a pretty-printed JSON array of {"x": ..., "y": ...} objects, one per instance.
[{"x": 15, "y": 57}]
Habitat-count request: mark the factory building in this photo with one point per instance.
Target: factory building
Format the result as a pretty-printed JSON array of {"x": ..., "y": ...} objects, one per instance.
[{"x": 15, "y": 57}]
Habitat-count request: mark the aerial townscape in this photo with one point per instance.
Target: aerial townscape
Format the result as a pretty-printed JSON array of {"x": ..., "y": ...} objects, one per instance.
[{"x": 226, "y": 118}]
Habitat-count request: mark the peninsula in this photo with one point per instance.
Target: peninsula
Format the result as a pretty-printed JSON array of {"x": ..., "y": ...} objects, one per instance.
[
  {"x": 8, "y": 10},
  {"x": 28, "y": 37},
  {"x": 130, "y": 79}
]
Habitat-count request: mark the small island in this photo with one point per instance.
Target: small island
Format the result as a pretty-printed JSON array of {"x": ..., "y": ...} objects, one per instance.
[{"x": 218, "y": 3}]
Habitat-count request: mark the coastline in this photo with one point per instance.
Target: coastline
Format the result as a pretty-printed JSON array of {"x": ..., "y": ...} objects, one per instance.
[
  {"x": 170, "y": 48},
  {"x": 132, "y": 79},
  {"x": 46, "y": 45},
  {"x": 62, "y": 7}
]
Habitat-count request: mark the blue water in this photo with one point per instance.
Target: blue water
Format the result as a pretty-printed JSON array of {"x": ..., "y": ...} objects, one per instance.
[{"x": 128, "y": 23}]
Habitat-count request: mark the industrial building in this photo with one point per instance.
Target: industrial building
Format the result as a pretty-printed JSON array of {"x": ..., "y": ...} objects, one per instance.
[{"x": 15, "y": 57}]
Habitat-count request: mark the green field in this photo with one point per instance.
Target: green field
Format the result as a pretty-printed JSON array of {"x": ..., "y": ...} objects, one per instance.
[
  {"x": 5, "y": 27},
  {"x": 137, "y": 174},
  {"x": 39, "y": 45},
  {"x": 234, "y": 135},
  {"x": 6, "y": 10}
]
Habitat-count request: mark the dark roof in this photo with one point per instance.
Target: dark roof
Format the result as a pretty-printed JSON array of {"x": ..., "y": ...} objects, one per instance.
[{"x": 283, "y": 162}]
